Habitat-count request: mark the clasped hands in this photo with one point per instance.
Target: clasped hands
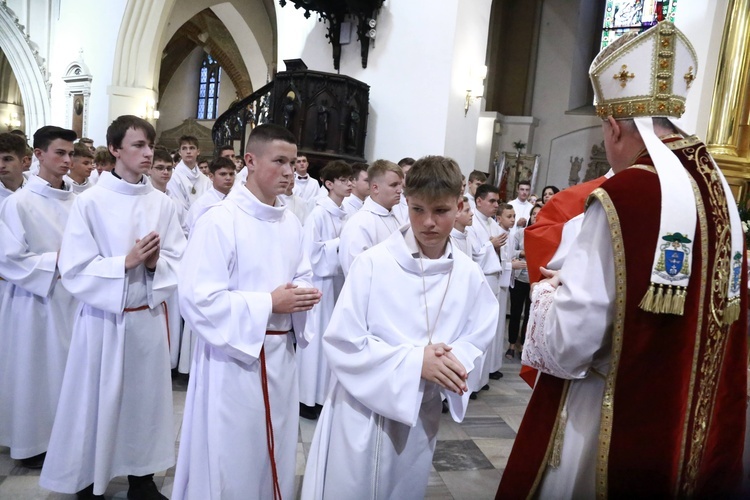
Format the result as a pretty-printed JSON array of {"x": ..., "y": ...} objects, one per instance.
[
  {"x": 291, "y": 298},
  {"x": 443, "y": 368}
]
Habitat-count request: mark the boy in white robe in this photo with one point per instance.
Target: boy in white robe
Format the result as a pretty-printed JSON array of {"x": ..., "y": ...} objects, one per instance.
[
  {"x": 305, "y": 186},
  {"x": 115, "y": 414},
  {"x": 321, "y": 245},
  {"x": 360, "y": 189},
  {"x": 247, "y": 284},
  {"x": 294, "y": 203},
  {"x": 401, "y": 210},
  {"x": 490, "y": 239},
  {"x": 459, "y": 234},
  {"x": 81, "y": 166},
  {"x": 392, "y": 354},
  {"x": 221, "y": 172},
  {"x": 375, "y": 221},
  {"x": 159, "y": 174},
  {"x": 12, "y": 152},
  {"x": 188, "y": 183},
  {"x": 36, "y": 312}
]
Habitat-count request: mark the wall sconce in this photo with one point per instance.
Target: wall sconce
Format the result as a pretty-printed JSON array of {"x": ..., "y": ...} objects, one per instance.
[
  {"x": 13, "y": 121},
  {"x": 475, "y": 86},
  {"x": 151, "y": 112}
]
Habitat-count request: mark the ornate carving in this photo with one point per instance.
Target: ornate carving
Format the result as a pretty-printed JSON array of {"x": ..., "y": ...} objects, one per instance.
[
  {"x": 575, "y": 169},
  {"x": 327, "y": 113},
  {"x": 363, "y": 14}
]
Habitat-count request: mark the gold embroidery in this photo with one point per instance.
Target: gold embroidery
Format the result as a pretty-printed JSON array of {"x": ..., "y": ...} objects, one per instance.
[
  {"x": 703, "y": 224},
  {"x": 551, "y": 444},
  {"x": 647, "y": 168},
  {"x": 624, "y": 76},
  {"x": 716, "y": 330},
  {"x": 605, "y": 427},
  {"x": 689, "y": 77}
]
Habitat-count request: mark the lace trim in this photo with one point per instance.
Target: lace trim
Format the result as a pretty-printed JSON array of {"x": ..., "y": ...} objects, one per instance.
[{"x": 536, "y": 354}]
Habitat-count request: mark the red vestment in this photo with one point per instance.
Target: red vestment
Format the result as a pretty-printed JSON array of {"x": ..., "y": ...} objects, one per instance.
[{"x": 673, "y": 411}]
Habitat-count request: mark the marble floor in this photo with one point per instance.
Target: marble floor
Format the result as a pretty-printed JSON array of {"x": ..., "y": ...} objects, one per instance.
[{"x": 468, "y": 463}]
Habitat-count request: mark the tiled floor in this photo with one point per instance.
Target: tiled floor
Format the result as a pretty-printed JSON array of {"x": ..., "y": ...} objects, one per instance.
[{"x": 468, "y": 463}]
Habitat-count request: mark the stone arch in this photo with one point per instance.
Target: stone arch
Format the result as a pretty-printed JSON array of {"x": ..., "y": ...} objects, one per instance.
[
  {"x": 146, "y": 27},
  {"x": 28, "y": 68}
]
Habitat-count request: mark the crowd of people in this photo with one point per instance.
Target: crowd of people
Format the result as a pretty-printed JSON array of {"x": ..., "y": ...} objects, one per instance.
[
  {"x": 369, "y": 299},
  {"x": 94, "y": 248}
]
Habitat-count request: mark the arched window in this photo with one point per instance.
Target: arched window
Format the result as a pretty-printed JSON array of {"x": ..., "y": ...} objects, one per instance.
[
  {"x": 208, "y": 91},
  {"x": 623, "y": 16}
]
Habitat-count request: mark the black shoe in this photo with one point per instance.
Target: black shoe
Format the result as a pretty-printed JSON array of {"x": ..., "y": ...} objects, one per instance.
[
  {"x": 35, "y": 462},
  {"x": 445, "y": 406},
  {"x": 474, "y": 395},
  {"x": 318, "y": 408},
  {"x": 143, "y": 488},
  {"x": 88, "y": 494},
  {"x": 486, "y": 387},
  {"x": 496, "y": 375},
  {"x": 308, "y": 412}
]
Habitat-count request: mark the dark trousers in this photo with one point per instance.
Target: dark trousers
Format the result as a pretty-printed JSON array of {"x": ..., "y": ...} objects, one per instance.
[{"x": 519, "y": 303}]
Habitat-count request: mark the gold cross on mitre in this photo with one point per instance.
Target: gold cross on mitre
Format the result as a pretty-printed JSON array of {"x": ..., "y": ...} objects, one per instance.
[
  {"x": 689, "y": 77},
  {"x": 624, "y": 76}
]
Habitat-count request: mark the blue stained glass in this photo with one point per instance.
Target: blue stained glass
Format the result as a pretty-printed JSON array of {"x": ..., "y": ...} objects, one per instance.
[
  {"x": 211, "y": 89},
  {"x": 624, "y": 16},
  {"x": 202, "y": 91},
  {"x": 201, "y": 109},
  {"x": 211, "y": 109},
  {"x": 204, "y": 74}
]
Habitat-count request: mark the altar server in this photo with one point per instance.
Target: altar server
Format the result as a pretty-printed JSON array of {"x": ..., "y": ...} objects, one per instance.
[
  {"x": 375, "y": 221},
  {"x": 321, "y": 244},
  {"x": 119, "y": 257},
  {"x": 393, "y": 354},
  {"x": 247, "y": 285},
  {"x": 36, "y": 312}
]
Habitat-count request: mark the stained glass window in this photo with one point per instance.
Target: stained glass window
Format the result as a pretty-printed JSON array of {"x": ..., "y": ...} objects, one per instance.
[
  {"x": 208, "y": 90},
  {"x": 623, "y": 16}
]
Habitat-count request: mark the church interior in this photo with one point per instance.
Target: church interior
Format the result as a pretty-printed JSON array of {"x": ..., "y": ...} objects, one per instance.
[{"x": 497, "y": 85}]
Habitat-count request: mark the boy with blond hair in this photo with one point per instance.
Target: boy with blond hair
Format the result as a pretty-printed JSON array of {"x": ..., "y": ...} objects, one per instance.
[
  {"x": 375, "y": 221},
  {"x": 376, "y": 435}
]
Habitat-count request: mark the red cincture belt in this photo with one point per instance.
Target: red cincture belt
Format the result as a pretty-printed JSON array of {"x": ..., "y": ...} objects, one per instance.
[
  {"x": 269, "y": 424},
  {"x": 143, "y": 308}
]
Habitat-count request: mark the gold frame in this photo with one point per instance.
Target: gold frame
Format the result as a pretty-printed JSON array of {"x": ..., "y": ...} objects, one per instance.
[{"x": 728, "y": 136}]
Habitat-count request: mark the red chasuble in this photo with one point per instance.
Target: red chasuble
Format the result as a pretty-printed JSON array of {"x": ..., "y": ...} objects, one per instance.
[{"x": 673, "y": 412}]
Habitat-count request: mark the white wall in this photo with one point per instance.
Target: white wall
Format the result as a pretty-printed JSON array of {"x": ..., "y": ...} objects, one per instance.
[
  {"x": 557, "y": 51},
  {"x": 93, "y": 26},
  {"x": 412, "y": 90},
  {"x": 557, "y": 47},
  {"x": 180, "y": 98},
  {"x": 470, "y": 47}
]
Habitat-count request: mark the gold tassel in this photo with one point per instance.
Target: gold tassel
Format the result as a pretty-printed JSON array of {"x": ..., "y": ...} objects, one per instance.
[
  {"x": 666, "y": 306},
  {"x": 678, "y": 301},
  {"x": 647, "y": 302},
  {"x": 556, "y": 455},
  {"x": 658, "y": 299}
]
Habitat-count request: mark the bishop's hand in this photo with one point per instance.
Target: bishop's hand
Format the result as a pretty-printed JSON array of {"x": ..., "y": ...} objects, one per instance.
[{"x": 440, "y": 366}]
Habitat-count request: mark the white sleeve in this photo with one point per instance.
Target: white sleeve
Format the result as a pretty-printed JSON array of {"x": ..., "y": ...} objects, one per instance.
[
  {"x": 34, "y": 272},
  {"x": 570, "y": 326},
  {"x": 233, "y": 321},
  {"x": 323, "y": 253},
  {"x": 355, "y": 239}
]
